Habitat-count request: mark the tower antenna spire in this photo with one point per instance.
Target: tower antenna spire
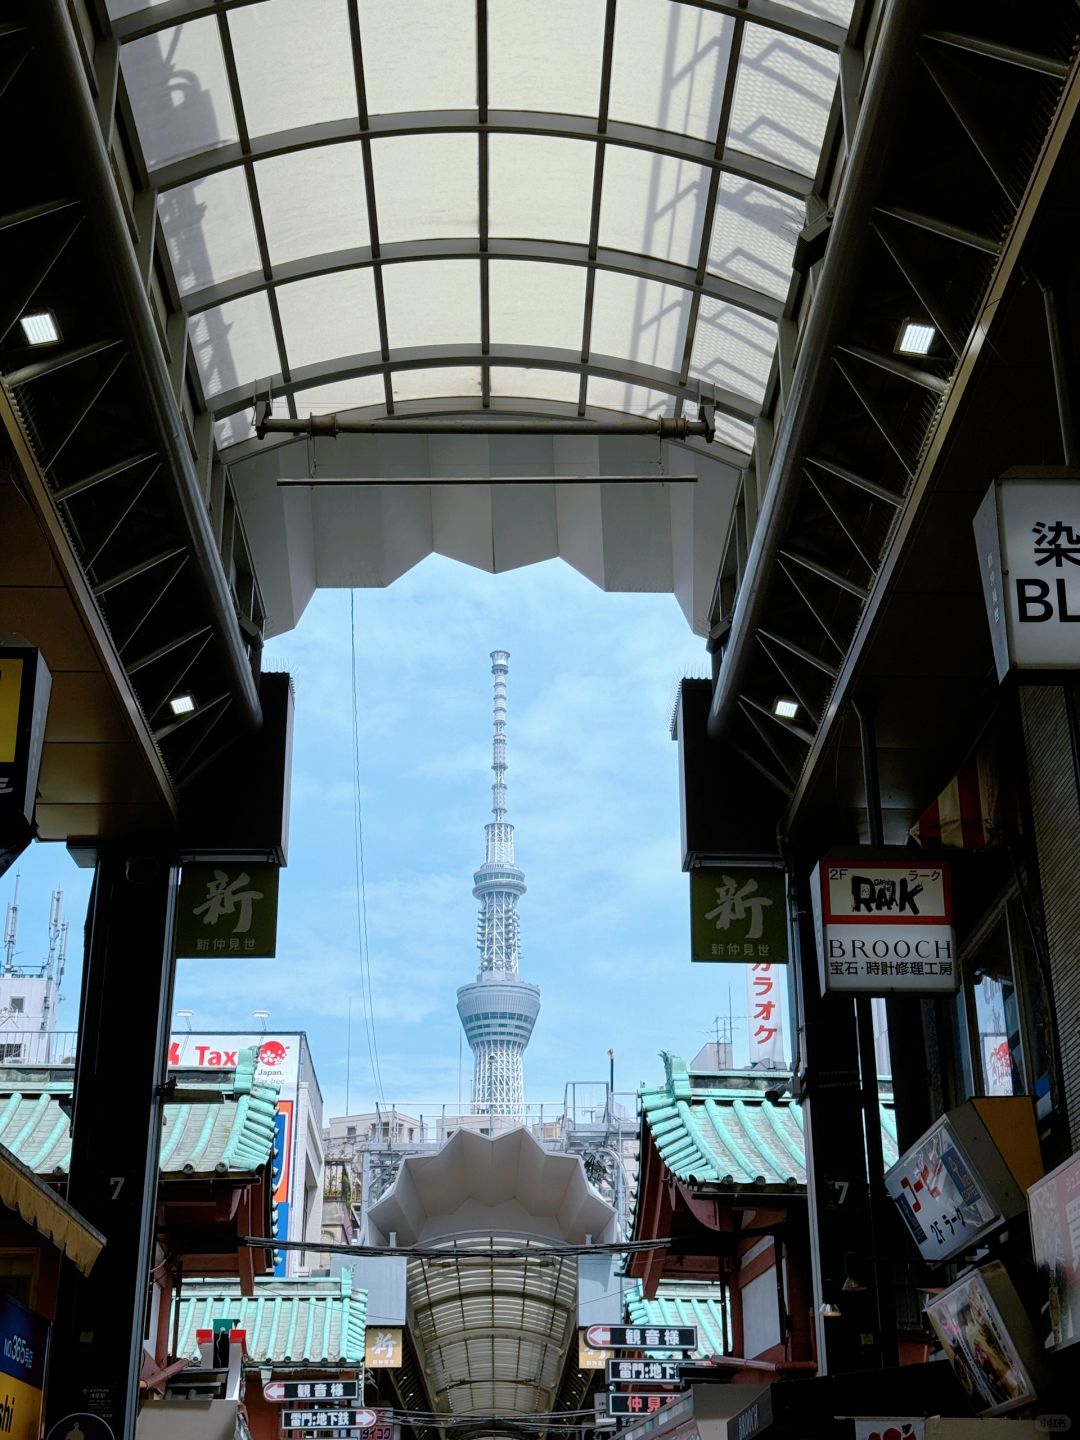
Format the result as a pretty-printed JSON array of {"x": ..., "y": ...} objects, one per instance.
[{"x": 499, "y": 1009}]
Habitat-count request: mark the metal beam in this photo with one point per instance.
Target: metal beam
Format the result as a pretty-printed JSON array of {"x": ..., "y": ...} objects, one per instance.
[
  {"x": 902, "y": 369},
  {"x": 330, "y": 426},
  {"x": 73, "y": 108},
  {"x": 421, "y": 357},
  {"x": 811, "y": 659},
  {"x": 884, "y": 423},
  {"x": 154, "y": 18},
  {"x": 823, "y": 572},
  {"x": 874, "y": 137},
  {"x": 1009, "y": 54},
  {"x": 441, "y": 481},
  {"x": 933, "y": 225},
  {"x": 871, "y": 487},
  {"x": 500, "y": 122},
  {"x": 997, "y": 163},
  {"x": 606, "y": 60},
  {"x": 926, "y": 292},
  {"x": 554, "y": 252}
]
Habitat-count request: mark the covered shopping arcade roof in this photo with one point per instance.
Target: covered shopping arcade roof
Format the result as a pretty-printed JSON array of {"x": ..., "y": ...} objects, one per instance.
[{"x": 493, "y": 1335}]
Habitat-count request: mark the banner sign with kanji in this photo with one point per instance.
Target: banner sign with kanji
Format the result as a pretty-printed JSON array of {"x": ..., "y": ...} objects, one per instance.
[
  {"x": 643, "y": 1372},
  {"x": 738, "y": 915},
  {"x": 642, "y": 1337},
  {"x": 884, "y": 925},
  {"x": 313, "y": 1418},
  {"x": 383, "y": 1348},
  {"x": 229, "y": 908},
  {"x": 623, "y": 1405},
  {"x": 293, "y": 1390}
]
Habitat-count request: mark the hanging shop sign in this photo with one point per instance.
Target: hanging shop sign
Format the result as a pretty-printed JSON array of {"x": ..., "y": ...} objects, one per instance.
[
  {"x": 25, "y": 685},
  {"x": 382, "y": 1348},
  {"x": 642, "y": 1337},
  {"x": 643, "y": 1372},
  {"x": 24, "y": 1339},
  {"x": 890, "y": 1429},
  {"x": 1027, "y": 530},
  {"x": 227, "y": 908},
  {"x": 624, "y": 1406},
  {"x": 766, "y": 1017},
  {"x": 884, "y": 925},
  {"x": 1054, "y": 1207},
  {"x": 293, "y": 1390},
  {"x": 738, "y": 914},
  {"x": 590, "y": 1357},
  {"x": 987, "y": 1339},
  {"x": 954, "y": 1185}
]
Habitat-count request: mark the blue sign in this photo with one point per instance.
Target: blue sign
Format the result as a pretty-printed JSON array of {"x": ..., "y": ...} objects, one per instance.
[
  {"x": 24, "y": 1339},
  {"x": 283, "y": 1231}
]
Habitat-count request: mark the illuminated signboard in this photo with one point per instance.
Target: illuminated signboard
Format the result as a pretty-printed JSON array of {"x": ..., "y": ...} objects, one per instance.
[
  {"x": 642, "y": 1337},
  {"x": 987, "y": 1339},
  {"x": 644, "y": 1372},
  {"x": 25, "y": 685},
  {"x": 884, "y": 926},
  {"x": 634, "y": 1405}
]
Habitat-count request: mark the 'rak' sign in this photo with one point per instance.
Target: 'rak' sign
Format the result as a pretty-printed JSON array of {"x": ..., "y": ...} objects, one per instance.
[
  {"x": 1027, "y": 530},
  {"x": 884, "y": 926}
]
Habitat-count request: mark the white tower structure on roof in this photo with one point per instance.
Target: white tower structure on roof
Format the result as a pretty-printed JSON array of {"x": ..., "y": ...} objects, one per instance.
[{"x": 499, "y": 1009}]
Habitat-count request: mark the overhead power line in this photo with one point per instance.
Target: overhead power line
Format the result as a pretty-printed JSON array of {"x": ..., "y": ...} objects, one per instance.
[
  {"x": 459, "y": 1252},
  {"x": 366, "y": 999}
]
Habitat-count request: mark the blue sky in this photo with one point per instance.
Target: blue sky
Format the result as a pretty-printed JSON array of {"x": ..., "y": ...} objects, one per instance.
[{"x": 593, "y": 794}]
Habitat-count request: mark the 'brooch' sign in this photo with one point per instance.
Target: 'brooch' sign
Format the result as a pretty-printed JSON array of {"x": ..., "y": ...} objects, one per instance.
[{"x": 884, "y": 925}]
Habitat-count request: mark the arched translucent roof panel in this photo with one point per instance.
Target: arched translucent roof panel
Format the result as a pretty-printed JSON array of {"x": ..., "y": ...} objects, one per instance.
[{"x": 584, "y": 203}]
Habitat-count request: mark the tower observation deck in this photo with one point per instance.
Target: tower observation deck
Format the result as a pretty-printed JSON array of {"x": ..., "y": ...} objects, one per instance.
[{"x": 499, "y": 1009}]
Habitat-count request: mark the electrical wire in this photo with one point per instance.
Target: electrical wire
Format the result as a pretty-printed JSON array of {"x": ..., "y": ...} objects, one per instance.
[
  {"x": 448, "y": 1254},
  {"x": 367, "y": 1002}
]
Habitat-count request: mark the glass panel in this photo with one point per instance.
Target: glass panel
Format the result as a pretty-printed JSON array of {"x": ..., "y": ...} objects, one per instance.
[
  {"x": 545, "y": 57},
  {"x": 336, "y": 395},
  {"x": 999, "y": 1054},
  {"x": 234, "y": 344},
  {"x": 540, "y": 187},
  {"x": 294, "y": 62},
  {"x": 669, "y": 65},
  {"x": 432, "y": 302},
  {"x": 653, "y": 204},
  {"x": 634, "y": 399},
  {"x": 441, "y": 382},
  {"x": 640, "y": 320},
  {"x": 420, "y": 56},
  {"x": 732, "y": 348},
  {"x": 754, "y": 235},
  {"x": 297, "y": 228},
  {"x": 426, "y": 186},
  {"x": 783, "y": 94},
  {"x": 233, "y": 429},
  {"x": 838, "y": 11},
  {"x": 729, "y": 431},
  {"x": 328, "y": 317},
  {"x": 179, "y": 92},
  {"x": 535, "y": 384},
  {"x": 536, "y": 304},
  {"x": 209, "y": 230}
]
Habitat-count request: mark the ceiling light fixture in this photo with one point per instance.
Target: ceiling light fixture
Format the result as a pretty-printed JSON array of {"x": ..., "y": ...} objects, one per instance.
[
  {"x": 182, "y": 704},
  {"x": 785, "y": 709},
  {"x": 40, "y": 328},
  {"x": 916, "y": 338},
  {"x": 829, "y": 1311}
]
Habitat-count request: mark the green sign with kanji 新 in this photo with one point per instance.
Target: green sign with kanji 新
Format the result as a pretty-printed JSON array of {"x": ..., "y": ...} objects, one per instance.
[
  {"x": 738, "y": 915},
  {"x": 227, "y": 908}
]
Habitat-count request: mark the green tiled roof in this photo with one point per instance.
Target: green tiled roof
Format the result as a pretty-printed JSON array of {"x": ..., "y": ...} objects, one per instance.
[
  {"x": 288, "y": 1322},
  {"x": 681, "y": 1305},
  {"x": 230, "y": 1135},
  {"x": 713, "y": 1130}
]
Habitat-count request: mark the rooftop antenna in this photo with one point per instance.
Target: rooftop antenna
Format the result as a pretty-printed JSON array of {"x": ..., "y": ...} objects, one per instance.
[
  {"x": 54, "y": 962},
  {"x": 11, "y": 929},
  {"x": 185, "y": 1015},
  {"x": 262, "y": 1016}
]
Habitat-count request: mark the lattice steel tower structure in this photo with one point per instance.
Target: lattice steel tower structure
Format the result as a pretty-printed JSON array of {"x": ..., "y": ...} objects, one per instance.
[{"x": 499, "y": 1009}]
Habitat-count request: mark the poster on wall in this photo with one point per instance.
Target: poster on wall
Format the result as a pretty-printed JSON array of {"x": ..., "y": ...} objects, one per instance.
[
  {"x": 24, "y": 1340},
  {"x": 884, "y": 926},
  {"x": 1054, "y": 1207},
  {"x": 980, "y": 1342}
]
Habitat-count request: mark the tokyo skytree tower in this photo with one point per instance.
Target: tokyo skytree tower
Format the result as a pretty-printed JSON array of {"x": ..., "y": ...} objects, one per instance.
[{"x": 499, "y": 1009}]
